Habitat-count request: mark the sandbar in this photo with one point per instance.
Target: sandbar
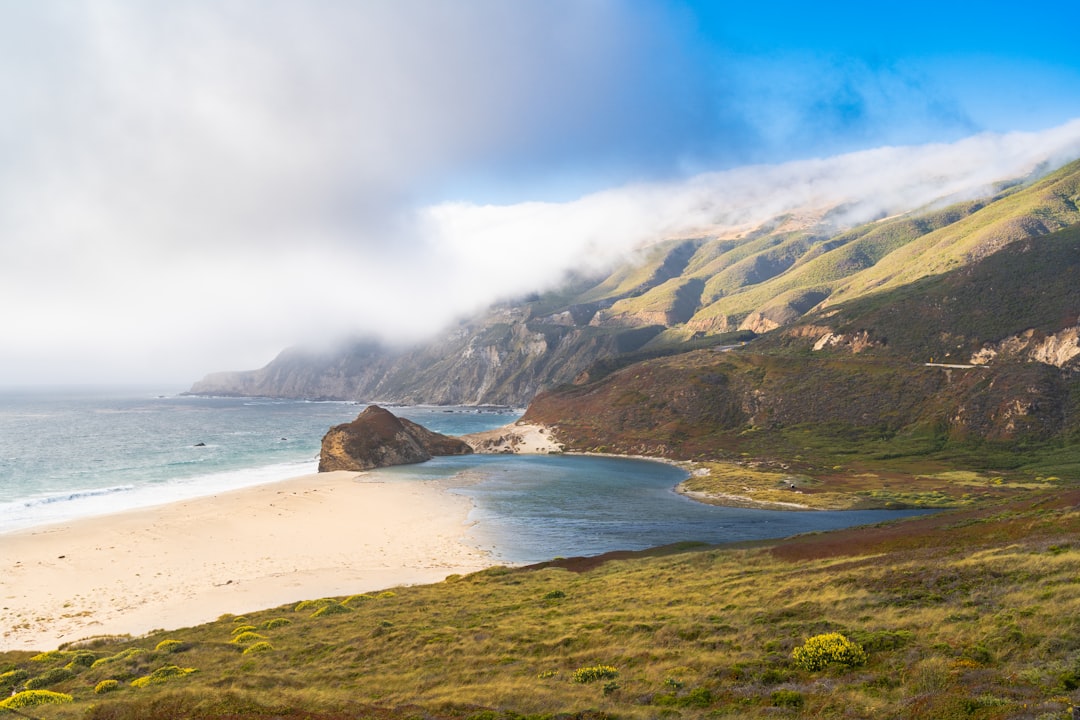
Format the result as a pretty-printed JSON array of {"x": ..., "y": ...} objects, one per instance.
[{"x": 185, "y": 563}]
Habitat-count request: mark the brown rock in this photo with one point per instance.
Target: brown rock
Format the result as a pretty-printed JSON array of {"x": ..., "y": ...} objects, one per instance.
[{"x": 378, "y": 438}]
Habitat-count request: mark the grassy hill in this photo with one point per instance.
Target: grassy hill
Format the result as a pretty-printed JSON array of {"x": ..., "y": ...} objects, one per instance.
[
  {"x": 843, "y": 399},
  {"x": 968, "y": 614}
]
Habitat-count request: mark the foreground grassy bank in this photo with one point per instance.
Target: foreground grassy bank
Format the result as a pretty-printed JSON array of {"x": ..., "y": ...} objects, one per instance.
[{"x": 963, "y": 614}]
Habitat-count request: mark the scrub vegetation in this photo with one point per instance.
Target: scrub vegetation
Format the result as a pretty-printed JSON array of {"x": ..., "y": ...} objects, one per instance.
[{"x": 968, "y": 613}]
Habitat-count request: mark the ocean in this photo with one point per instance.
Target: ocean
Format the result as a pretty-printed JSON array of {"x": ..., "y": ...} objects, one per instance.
[{"x": 73, "y": 452}]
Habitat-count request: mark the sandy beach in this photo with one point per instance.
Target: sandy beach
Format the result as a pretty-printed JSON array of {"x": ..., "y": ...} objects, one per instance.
[{"x": 189, "y": 562}]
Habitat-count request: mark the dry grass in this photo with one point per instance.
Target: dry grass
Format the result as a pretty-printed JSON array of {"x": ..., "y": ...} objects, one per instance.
[{"x": 973, "y": 609}]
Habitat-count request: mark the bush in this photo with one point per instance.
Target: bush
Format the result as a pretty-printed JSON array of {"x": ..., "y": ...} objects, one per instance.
[
  {"x": 30, "y": 698},
  {"x": 311, "y": 604},
  {"x": 169, "y": 646},
  {"x": 820, "y": 651},
  {"x": 49, "y": 677},
  {"x": 555, "y": 595},
  {"x": 276, "y": 623},
  {"x": 106, "y": 686},
  {"x": 247, "y": 637},
  {"x": 331, "y": 609},
  {"x": 243, "y": 629},
  {"x": 594, "y": 673},
  {"x": 882, "y": 640},
  {"x": 81, "y": 659},
  {"x": 162, "y": 675},
  {"x": 122, "y": 655},
  {"x": 50, "y": 656},
  {"x": 787, "y": 698},
  {"x": 10, "y": 679},
  {"x": 258, "y": 647}
]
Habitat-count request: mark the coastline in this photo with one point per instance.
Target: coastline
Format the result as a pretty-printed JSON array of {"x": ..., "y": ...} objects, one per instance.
[{"x": 191, "y": 561}]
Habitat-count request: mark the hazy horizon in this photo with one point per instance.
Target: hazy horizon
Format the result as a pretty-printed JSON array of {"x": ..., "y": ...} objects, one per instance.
[{"x": 193, "y": 188}]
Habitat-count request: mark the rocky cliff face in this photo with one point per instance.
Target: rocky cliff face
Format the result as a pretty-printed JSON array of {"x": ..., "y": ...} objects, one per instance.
[
  {"x": 378, "y": 438},
  {"x": 503, "y": 359},
  {"x": 762, "y": 279}
]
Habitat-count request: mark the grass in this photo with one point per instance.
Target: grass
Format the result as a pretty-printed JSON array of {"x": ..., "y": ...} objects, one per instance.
[{"x": 970, "y": 609}]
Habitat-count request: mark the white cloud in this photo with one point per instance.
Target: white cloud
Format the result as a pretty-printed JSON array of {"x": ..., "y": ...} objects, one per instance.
[{"x": 189, "y": 187}]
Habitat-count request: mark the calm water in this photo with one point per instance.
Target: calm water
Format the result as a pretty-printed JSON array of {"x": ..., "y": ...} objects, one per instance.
[
  {"x": 73, "y": 453},
  {"x": 531, "y": 509}
]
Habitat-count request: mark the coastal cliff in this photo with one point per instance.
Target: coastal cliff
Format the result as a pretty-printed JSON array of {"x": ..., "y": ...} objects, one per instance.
[
  {"x": 681, "y": 293},
  {"x": 378, "y": 438}
]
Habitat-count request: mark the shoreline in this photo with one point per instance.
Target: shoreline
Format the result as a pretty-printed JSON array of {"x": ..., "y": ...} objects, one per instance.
[{"x": 190, "y": 561}]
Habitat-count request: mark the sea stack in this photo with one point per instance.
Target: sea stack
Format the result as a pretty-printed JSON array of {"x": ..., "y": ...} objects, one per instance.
[{"x": 378, "y": 438}]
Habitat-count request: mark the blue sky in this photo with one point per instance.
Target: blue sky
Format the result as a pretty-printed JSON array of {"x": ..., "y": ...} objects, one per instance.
[
  {"x": 189, "y": 187},
  {"x": 713, "y": 85}
]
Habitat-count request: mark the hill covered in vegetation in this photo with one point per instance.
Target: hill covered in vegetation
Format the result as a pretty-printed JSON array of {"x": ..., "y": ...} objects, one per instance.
[
  {"x": 969, "y": 614},
  {"x": 975, "y": 370},
  {"x": 677, "y": 291}
]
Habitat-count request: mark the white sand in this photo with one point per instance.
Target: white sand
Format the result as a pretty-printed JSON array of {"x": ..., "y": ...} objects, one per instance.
[
  {"x": 516, "y": 438},
  {"x": 190, "y": 562}
]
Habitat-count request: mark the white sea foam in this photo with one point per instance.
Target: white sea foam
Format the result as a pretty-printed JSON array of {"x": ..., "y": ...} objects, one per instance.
[{"x": 51, "y": 508}]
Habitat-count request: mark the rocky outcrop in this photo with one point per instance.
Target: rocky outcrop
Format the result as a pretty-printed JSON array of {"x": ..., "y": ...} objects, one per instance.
[
  {"x": 378, "y": 438},
  {"x": 1059, "y": 349}
]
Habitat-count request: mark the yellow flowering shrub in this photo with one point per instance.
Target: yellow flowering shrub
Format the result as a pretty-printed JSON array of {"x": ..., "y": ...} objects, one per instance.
[
  {"x": 162, "y": 675},
  {"x": 594, "y": 673},
  {"x": 820, "y": 651},
  {"x": 30, "y": 698}
]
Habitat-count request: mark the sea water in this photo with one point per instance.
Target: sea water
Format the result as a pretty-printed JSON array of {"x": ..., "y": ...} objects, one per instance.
[
  {"x": 73, "y": 452},
  {"x": 68, "y": 453}
]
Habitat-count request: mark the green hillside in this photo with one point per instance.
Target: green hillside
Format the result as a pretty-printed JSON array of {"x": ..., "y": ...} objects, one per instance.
[
  {"x": 844, "y": 398},
  {"x": 969, "y": 614},
  {"x": 783, "y": 269}
]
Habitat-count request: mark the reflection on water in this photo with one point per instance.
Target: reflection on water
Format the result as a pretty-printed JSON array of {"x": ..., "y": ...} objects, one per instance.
[{"x": 533, "y": 508}]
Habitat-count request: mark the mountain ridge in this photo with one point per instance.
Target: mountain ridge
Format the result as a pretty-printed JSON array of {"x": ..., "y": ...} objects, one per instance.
[{"x": 678, "y": 290}]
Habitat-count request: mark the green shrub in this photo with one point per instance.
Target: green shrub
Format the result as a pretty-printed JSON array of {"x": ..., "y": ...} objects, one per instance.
[
  {"x": 162, "y": 675},
  {"x": 169, "y": 646},
  {"x": 259, "y": 647},
  {"x": 81, "y": 659},
  {"x": 356, "y": 598},
  {"x": 49, "y": 677},
  {"x": 122, "y": 655},
  {"x": 243, "y": 629},
  {"x": 880, "y": 640},
  {"x": 10, "y": 679},
  {"x": 787, "y": 698},
  {"x": 247, "y": 637},
  {"x": 594, "y": 673},
  {"x": 386, "y": 594},
  {"x": 331, "y": 609},
  {"x": 276, "y": 623},
  {"x": 820, "y": 651},
  {"x": 30, "y": 698},
  {"x": 106, "y": 686},
  {"x": 312, "y": 604},
  {"x": 555, "y": 595}
]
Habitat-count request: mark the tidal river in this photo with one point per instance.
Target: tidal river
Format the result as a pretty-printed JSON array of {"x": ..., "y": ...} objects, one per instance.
[{"x": 534, "y": 508}]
